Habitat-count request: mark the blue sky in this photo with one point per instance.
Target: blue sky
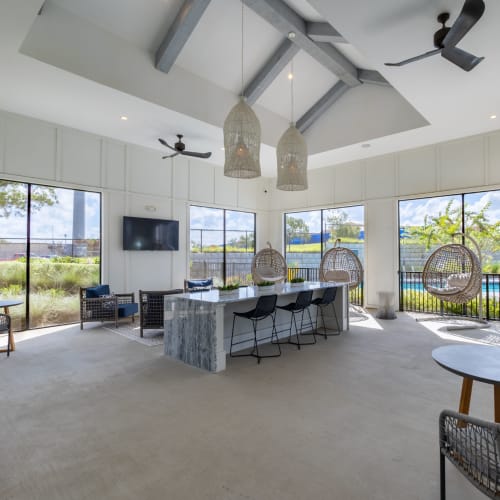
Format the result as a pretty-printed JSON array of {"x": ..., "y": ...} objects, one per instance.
[{"x": 55, "y": 222}]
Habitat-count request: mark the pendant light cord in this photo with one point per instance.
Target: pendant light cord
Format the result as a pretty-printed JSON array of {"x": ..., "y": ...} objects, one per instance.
[
  {"x": 291, "y": 90},
  {"x": 242, "y": 89}
]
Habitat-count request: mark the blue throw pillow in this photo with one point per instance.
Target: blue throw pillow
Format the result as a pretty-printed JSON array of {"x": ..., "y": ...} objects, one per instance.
[
  {"x": 97, "y": 291},
  {"x": 206, "y": 283}
]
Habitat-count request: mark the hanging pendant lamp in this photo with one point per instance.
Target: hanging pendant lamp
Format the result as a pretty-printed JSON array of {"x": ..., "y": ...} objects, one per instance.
[
  {"x": 242, "y": 136},
  {"x": 291, "y": 154}
]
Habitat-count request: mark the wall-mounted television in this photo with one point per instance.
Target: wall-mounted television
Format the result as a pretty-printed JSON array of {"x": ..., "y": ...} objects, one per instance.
[{"x": 150, "y": 234}]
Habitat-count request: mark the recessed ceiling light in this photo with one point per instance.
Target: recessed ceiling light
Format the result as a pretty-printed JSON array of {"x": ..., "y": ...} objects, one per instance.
[
  {"x": 492, "y": 117},
  {"x": 291, "y": 35},
  {"x": 222, "y": 148},
  {"x": 124, "y": 118},
  {"x": 290, "y": 76},
  {"x": 365, "y": 145}
]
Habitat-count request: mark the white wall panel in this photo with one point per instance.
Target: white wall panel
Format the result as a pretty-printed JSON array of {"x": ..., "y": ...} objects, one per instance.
[
  {"x": 80, "y": 158},
  {"x": 349, "y": 182},
  {"x": 2, "y": 143},
  {"x": 381, "y": 259},
  {"x": 149, "y": 270},
  {"x": 380, "y": 177},
  {"x": 321, "y": 186},
  {"x": 114, "y": 165},
  {"x": 114, "y": 265},
  {"x": 251, "y": 194},
  {"x": 147, "y": 172},
  {"x": 288, "y": 200},
  {"x": 180, "y": 259},
  {"x": 180, "y": 182},
  {"x": 155, "y": 207},
  {"x": 30, "y": 148},
  {"x": 225, "y": 189},
  {"x": 494, "y": 158},
  {"x": 462, "y": 163},
  {"x": 201, "y": 182},
  {"x": 417, "y": 171}
]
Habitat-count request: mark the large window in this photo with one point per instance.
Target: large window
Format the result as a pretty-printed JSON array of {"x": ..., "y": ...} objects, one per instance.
[
  {"x": 222, "y": 245},
  {"x": 308, "y": 235},
  {"x": 427, "y": 223},
  {"x": 50, "y": 246}
]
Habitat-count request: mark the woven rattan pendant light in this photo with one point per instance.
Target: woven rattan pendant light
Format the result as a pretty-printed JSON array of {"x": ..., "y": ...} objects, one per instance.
[
  {"x": 291, "y": 154},
  {"x": 242, "y": 136}
]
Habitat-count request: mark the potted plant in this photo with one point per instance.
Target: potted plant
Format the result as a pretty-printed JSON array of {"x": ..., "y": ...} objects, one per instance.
[
  {"x": 265, "y": 286},
  {"x": 297, "y": 281},
  {"x": 230, "y": 289}
]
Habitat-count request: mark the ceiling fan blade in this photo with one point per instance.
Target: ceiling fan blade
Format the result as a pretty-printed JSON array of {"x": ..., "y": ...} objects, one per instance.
[
  {"x": 170, "y": 156},
  {"x": 470, "y": 14},
  {"x": 461, "y": 58},
  {"x": 416, "y": 58},
  {"x": 166, "y": 144},
  {"x": 196, "y": 155}
]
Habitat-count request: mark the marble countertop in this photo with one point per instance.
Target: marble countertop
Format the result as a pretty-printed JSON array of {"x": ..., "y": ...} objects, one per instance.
[{"x": 250, "y": 292}]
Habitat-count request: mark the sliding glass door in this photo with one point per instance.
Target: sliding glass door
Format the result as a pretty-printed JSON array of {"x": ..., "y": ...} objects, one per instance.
[{"x": 51, "y": 247}]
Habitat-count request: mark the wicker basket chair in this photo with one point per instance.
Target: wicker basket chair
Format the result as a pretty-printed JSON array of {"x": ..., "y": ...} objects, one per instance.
[
  {"x": 453, "y": 273},
  {"x": 341, "y": 264},
  {"x": 269, "y": 265}
]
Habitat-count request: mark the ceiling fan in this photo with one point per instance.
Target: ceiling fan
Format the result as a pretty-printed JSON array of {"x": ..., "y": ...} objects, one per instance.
[
  {"x": 180, "y": 149},
  {"x": 446, "y": 38}
]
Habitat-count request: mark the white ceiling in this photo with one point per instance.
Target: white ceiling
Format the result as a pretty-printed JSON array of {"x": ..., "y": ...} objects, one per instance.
[{"x": 84, "y": 64}]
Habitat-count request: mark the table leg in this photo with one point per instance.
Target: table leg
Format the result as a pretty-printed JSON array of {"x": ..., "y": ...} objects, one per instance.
[
  {"x": 465, "y": 396},
  {"x": 496, "y": 392},
  {"x": 10, "y": 338}
]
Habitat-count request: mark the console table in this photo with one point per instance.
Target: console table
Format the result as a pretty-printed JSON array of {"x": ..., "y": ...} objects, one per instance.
[{"x": 198, "y": 325}]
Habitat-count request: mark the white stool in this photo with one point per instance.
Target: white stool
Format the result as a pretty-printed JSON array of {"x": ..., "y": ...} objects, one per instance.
[{"x": 386, "y": 306}]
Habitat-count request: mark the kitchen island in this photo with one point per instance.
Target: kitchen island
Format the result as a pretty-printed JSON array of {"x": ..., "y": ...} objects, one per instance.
[{"x": 198, "y": 324}]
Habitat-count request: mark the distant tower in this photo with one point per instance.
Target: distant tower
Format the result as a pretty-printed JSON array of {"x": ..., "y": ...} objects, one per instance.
[{"x": 78, "y": 215}]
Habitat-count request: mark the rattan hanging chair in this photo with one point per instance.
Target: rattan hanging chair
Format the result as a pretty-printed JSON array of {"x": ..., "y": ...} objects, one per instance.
[
  {"x": 453, "y": 273},
  {"x": 342, "y": 265},
  {"x": 269, "y": 265}
]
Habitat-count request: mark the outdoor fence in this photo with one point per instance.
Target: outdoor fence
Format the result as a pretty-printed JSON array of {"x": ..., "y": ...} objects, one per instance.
[{"x": 413, "y": 297}]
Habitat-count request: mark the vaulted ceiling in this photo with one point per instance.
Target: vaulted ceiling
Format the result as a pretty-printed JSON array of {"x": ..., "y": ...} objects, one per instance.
[{"x": 174, "y": 66}]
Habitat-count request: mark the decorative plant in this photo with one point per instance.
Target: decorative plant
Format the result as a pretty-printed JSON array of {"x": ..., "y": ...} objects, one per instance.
[
  {"x": 229, "y": 287},
  {"x": 297, "y": 279},
  {"x": 265, "y": 283}
]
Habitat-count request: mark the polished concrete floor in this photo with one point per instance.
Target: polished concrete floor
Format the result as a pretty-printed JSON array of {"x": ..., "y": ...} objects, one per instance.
[{"x": 92, "y": 415}]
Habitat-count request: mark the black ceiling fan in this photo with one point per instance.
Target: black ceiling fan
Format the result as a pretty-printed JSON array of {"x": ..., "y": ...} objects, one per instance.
[
  {"x": 446, "y": 38},
  {"x": 180, "y": 149}
]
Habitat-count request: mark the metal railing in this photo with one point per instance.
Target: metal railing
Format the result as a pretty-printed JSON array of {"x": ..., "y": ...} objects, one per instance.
[
  {"x": 413, "y": 297},
  {"x": 356, "y": 296}
]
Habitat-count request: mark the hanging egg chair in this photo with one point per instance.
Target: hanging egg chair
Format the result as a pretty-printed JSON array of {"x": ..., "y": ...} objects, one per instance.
[
  {"x": 453, "y": 273},
  {"x": 269, "y": 265},
  {"x": 341, "y": 264}
]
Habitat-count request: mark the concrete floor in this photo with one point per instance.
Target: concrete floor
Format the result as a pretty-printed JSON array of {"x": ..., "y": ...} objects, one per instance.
[{"x": 92, "y": 415}]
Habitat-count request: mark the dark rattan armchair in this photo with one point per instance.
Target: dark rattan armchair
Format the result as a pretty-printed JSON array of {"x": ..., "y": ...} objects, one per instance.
[
  {"x": 152, "y": 306},
  {"x": 471, "y": 445},
  {"x": 97, "y": 304}
]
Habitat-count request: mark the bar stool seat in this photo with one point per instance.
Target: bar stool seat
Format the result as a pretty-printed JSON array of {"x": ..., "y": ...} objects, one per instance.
[
  {"x": 325, "y": 301},
  {"x": 265, "y": 308},
  {"x": 300, "y": 306}
]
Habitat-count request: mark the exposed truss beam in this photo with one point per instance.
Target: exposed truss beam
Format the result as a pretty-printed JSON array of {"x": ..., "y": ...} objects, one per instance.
[
  {"x": 286, "y": 20},
  {"x": 324, "y": 32},
  {"x": 371, "y": 76},
  {"x": 310, "y": 116},
  {"x": 185, "y": 22},
  {"x": 271, "y": 69}
]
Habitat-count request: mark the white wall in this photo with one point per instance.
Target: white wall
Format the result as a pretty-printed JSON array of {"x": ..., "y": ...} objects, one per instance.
[
  {"x": 469, "y": 164},
  {"x": 131, "y": 179}
]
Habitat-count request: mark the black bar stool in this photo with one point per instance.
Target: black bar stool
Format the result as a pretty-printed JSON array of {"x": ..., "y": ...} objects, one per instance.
[
  {"x": 325, "y": 301},
  {"x": 301, "y": 305},
  {"x": 265, "y": 307}
]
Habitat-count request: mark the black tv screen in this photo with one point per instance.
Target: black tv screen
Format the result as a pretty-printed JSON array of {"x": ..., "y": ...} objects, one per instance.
[{"x": 150, "y": 234}]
